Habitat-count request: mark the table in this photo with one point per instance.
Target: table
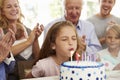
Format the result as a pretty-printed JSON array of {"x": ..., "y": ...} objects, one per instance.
[
  {"x": 57, "y": 78},
  {"x": 44, "y": 78},
  {"x": 112, "y": 75}
]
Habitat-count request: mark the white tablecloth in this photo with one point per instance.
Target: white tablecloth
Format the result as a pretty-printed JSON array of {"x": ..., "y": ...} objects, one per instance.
[
  {"x": 112, "y": 75},
  {"x": 45, "y": 78},
  {"x": 57, "y": 78}
]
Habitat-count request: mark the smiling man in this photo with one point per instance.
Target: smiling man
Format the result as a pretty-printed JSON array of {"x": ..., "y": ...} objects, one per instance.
[{"x": 103, "y": 18}]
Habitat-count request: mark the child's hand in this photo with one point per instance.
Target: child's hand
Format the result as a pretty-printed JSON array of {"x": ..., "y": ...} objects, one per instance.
[
  {"x": 82, "y": 39},
  {"x": 102, "y": 40},
  {"x": 111, "y": 23},
  {"x": 117, "y": 67}
]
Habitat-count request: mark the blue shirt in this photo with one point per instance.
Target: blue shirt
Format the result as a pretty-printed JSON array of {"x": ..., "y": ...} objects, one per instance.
[
  {"x": 83, "y": 28},
  {"x": 2, "y": 71},
  {"x": 6, "y": 66}
]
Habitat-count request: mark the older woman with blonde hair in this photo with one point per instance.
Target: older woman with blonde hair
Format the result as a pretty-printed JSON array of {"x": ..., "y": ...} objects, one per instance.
[{"x": 10, "y": 13}]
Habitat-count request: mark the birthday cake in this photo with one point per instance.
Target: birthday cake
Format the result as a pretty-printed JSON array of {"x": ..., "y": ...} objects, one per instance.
[{"x": 82, "y": 70}]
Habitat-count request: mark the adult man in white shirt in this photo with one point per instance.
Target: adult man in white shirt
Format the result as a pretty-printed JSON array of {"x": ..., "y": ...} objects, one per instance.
[{"x": 84, "y": 28}]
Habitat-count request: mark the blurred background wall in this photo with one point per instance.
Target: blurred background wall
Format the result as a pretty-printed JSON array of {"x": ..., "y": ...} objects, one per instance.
[{"x": 44, "y": 11}]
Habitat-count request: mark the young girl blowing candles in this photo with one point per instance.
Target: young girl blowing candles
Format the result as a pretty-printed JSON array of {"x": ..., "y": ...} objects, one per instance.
[{"x": 61, "y": 39}]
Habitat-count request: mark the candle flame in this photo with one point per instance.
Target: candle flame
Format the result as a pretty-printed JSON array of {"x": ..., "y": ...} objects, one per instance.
[{"x": 77, "y": 57}]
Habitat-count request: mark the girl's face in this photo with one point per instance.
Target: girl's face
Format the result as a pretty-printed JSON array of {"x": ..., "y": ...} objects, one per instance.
[
  {"x": 11, "y": 10},
  {"x": 65, "y": 40},
  {"x": 106, "y": 7},
  {"x": 112, "y": 40}
]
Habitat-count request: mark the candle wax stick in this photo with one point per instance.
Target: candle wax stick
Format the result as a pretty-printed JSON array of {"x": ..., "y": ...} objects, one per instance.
[
  {"x": 71, "y": 53},
  {"x": 77, "y": 57},
  {"x": 85, "y": 56},
  {"x": 82, "y": 56}
]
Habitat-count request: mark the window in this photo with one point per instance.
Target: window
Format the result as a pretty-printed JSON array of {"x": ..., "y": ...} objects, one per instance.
[{"x": 46, "y": 10}]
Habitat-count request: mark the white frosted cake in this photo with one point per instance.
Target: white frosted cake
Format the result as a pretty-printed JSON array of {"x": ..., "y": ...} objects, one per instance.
[{"x": 82, "y": 70}]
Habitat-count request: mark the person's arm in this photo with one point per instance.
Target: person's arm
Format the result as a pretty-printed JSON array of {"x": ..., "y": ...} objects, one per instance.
[
  {"x": 38, "y": 70},
  {"x": 36, "y": 49},
  {"x": 29, "y": 75},
  {"x": 32, "y": 40},
  {"x": 16, "y": 49}
]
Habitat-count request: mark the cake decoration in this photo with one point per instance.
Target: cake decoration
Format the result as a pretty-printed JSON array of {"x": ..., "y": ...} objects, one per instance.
[{"x": 84, "y": 70}]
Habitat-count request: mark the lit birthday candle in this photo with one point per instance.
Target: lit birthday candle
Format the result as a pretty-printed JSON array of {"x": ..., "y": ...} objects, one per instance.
[
  {"x": 84, "y": 56},
  {"x": 71, "y": 53},
  {"x": 77, "y": 56}
]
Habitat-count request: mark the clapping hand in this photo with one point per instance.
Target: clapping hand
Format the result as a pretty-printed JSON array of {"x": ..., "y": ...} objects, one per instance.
[
  {"x": 35, "y": 33},
  {"x": 6, "y": 43}
]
